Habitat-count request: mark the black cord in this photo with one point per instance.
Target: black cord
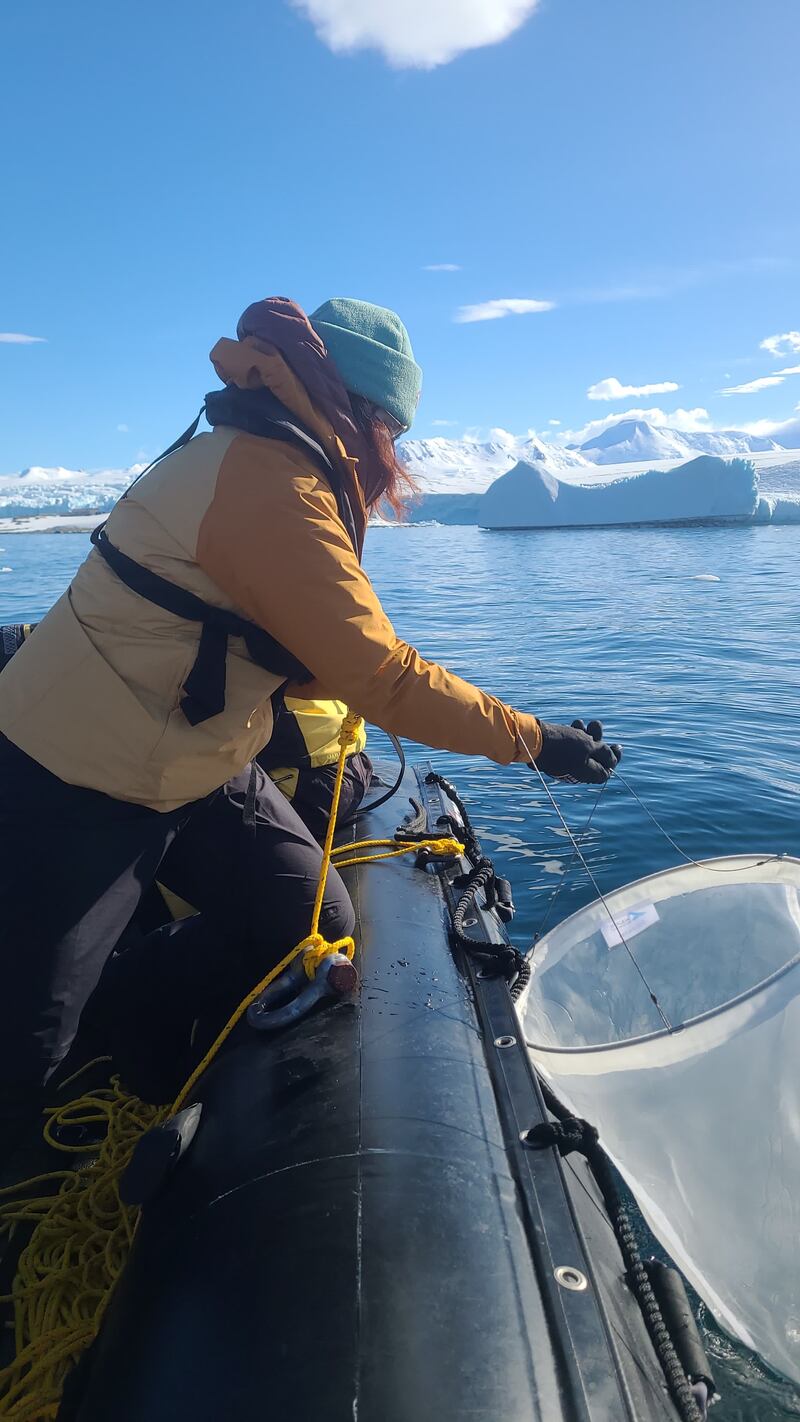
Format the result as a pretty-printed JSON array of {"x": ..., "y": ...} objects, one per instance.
[
  {"x": 502, "y": 959},
  {"x": 570, "y": 1133},
  {"x": 522, "y": 979},
  {"x": 382, "y": 799}
]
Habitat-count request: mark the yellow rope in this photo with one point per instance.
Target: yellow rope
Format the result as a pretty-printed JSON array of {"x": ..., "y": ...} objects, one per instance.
[
  {"x": 439, "y": 847},
  {"x": 81, "y": 1238},
  {"x": 315, "y": 945},
  {"x": 82, "y": 1232}
]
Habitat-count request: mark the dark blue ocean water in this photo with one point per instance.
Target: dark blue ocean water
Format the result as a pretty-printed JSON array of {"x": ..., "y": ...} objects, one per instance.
[{"x": 685, "y": 641}]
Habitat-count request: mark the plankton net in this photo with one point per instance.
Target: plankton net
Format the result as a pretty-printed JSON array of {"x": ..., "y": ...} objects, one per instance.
[{"x": 668, "y": 1015}]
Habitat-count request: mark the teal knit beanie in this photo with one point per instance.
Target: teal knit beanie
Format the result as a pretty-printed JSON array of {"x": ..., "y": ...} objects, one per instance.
[{"x": 371, "y": 350}]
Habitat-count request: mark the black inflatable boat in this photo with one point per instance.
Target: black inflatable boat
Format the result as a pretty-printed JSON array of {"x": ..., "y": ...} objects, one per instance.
[{"x": 370, "y": 1224}]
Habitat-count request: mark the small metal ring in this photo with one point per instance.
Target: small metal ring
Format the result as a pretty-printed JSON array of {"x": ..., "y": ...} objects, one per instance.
[
  {"x": 570, "y": 1278},
  {"x": 505, "y": 1041}
]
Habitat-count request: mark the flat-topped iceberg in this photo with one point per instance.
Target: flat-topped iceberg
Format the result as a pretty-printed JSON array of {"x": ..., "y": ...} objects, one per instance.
[
  {"x": 778, "y": 508},
  {"x": 704, "y": 488}
]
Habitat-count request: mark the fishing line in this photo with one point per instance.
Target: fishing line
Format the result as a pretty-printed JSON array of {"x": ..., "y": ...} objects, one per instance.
[
  {"x": 578, "y": 853},
  {"x": 706, "y": 867},
  {"x": 581, "y": 838}
]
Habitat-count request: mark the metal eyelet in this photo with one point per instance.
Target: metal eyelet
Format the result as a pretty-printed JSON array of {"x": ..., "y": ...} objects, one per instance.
[{"x": 570, "y": 1278}]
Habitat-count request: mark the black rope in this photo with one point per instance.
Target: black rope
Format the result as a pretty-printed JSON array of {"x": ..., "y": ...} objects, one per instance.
[
  {"x": 471, "y": 841},
  {"x": 522, "y": 979},
  {"x": 496, "y": 959},
  {"x": 568, "y": 1133},
  {"x": 388, "y": 794}
]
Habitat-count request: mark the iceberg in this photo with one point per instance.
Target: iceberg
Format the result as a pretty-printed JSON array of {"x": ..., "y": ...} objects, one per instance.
[
  {"x": 505, "y": 482},
  {"x": 777, "y": 508},
  {"x": 706, "y": 488},
  {"x": 462, "y": 509}
]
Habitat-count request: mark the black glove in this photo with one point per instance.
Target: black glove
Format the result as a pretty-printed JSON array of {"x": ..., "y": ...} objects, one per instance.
[{"x": 577, "y": 753}]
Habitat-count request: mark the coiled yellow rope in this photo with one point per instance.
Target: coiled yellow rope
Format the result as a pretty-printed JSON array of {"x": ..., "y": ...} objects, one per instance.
[
  {"x": 82, "y": 1231},
  {"x": 81, "y": 1238}
]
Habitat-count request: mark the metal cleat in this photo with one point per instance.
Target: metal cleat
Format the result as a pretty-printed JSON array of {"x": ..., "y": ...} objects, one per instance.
[{"x": 292, "y": 996}]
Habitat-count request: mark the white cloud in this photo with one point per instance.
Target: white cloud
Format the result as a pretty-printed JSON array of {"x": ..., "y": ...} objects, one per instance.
[
  {"x": 751, "y": 387},
  {"x": 690, "y": 420},
  {"x": 611, "y": 389},
  {"x": 443, "y": 423},
  {"x": 786, "y": 344},
  {"x": 442, "y": 267},
  {"x": 15, "y": 338},
  {"x": 122, "y": 429},
  {"x": 554, "y": 422},
  {"x": 503, "y": 306},
  {"x": 789, "y": 370},
  {"x": 416, "y": 34},
  {"x": 778, "y": 429}
]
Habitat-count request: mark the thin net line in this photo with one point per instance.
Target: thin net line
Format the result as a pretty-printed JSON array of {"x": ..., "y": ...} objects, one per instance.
[
  {"x": 566, "y": 870},
  {"x": 699, "y": 864},
  {"x": 597, "y": 889}
]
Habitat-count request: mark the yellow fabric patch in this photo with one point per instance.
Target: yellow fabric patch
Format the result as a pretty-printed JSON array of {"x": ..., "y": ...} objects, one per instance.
[
  {"x": 177, "y": 906},
  {"x": 286, "y": 778},
  {"x": 320, "y": 723}
]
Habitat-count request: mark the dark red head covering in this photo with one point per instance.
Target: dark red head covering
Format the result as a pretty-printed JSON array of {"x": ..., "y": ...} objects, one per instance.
[{"x": 282, "y": 324}]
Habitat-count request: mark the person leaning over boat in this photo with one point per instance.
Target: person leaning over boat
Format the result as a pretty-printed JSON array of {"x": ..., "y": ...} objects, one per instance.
[{"x": 126, "y": 737}]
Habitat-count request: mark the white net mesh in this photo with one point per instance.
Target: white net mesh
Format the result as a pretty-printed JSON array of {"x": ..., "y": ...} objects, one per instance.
[{"x": 703, "y": 1117}]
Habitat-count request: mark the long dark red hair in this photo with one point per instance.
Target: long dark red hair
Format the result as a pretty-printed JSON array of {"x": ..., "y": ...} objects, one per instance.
[{"x": 390, "y": 482}]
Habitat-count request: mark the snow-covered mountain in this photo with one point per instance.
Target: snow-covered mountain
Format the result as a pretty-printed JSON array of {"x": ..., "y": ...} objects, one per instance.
[
  {"x": 451, "y": 473},
  {"x": 440, "y": 466},
  {"x": 465, "y": 466},
  {"x": 38, "y": 491},
  {"x": 630, "y": 441},
  {"x": 731, "y": 443}
]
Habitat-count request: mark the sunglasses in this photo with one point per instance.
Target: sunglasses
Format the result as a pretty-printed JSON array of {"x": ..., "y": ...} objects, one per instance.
[{"x": 393, "y": 425}]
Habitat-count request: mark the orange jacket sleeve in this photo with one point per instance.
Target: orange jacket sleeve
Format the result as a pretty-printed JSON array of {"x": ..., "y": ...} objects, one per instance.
[{"x": 272, "y": 541}]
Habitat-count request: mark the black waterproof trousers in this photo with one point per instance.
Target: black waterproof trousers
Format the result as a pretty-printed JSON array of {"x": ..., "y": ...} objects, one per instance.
[
  {"x": 74, "y": 865},
  {"x": 313, "y": 792}
]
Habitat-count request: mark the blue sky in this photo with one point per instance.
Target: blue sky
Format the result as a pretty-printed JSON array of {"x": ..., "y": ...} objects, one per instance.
[{"x": 634, "y": 164}]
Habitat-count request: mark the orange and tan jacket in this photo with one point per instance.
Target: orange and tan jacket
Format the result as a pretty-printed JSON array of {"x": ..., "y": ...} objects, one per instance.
[{"x": 250, "y": 525}]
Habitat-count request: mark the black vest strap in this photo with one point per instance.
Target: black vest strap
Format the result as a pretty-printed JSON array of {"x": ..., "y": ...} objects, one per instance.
[
  {"x": 204, "y": 687},
  {"x": 260, "y": 413},
  {"x": 189, "y": 433}
]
